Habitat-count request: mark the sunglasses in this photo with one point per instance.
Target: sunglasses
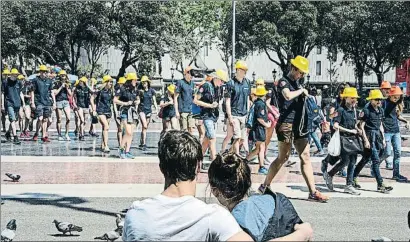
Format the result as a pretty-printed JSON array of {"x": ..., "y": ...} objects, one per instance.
[{"x": 378, "y": 100}]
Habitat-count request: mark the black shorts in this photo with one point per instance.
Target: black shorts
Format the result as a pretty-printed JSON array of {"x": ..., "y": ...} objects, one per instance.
[
  {"x": 258, "y": 134},
  {"x": 43, "y": 111},
  {"x": 108, "y": 115}
]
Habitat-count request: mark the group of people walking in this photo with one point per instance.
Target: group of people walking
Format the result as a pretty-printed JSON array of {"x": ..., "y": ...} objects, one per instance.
[{"x": 251, "y": 115}]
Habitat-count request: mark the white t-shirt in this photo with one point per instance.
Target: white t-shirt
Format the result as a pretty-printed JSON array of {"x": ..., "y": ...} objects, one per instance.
[{"x": 178, "y": 219}]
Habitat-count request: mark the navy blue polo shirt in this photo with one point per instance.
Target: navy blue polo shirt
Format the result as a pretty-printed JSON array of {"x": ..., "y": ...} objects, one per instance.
[
  {"x": 373, "y": 118},
  {"x": 103, "y": 101},
  {"x": 209, "y": 94},
  {"x": 346, "y": 117},
  {"x": 289, "y": 110},
  {"x": 82, "y": 95},
  {"x": 168, "y": 111},
  {"x": 12, "y": 90},
  {"x": 42, "y": 91},
  {"x": 146, "y": 100},
  {"x": 185, "y": 99},
  {"x": 63, "y": 94},
  {"x": 125, "y": 94},
  {"x": 390, "y": 122},
  {"x": 239, "y": 93},
  {"x": 260, "y": 112}
]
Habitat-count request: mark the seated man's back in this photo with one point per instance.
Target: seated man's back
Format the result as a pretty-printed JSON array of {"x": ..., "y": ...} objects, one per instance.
[{"x": 178, "y": 219}]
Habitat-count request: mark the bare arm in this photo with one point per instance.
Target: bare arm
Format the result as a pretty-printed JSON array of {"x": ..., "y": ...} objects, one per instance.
[
  {"x": 339, "y": 127},
  {"x": 289, "y": 95},
  {"x": 198, "y": 102},
  {"x": 22, "y": 99},
  {"x": 163, "y": 104},
  {"x": 402, "y": 119},
  {"x": 154, "y": 100},
  {"x": 176, "y": 103},
  {"x": 270, "y": 109},
  {"x": 241, "y": 236},
  {"x": 362, "y": 124},
  {"x": 228, "y": 107},
  {"x": 92, "y": 101},
  {"x": 32, "y": 99}
]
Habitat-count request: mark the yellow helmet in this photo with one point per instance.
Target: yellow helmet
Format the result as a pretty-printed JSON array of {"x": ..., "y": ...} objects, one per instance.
[
  {"x": 6, "y": 72},
  {"x": 107, "y": 78},
  {"x": 76, "y": 82},
  {"x": 132, "y": 76},
  {"x": 261, "y": 91},
  {"x": 43, "y": 68},
  {"x": 20, "y": 77},
  {"x": 93, "y": 81},
  {"x": 62, "y": 72},
  {"x": 260, "y": 81},
  {"x": 171, "y": 88},
  {"x": 221, "y": 74},
  {"x": 145, "y": 79},
  {"x": 350, "y": 92},
  {"x": 121, "y": 80},
  {"x": 375, "y": 94},
  {"x": 14, "y": 71},
  {"x": 301, "y": 63},
  {"x": 83, "y": 79},
  {"x": 241, "y": 65}
]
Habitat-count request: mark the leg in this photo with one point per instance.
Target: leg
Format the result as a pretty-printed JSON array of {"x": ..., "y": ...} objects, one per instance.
[
  {"x": 174, "y": 123},
  {"x": 350, "y": 169},
  {"x": 269, "y": 134},
  {"x": 302, "y": 147},
  {"x": 105, "y": 126},
  {"x": 396, "y": 142},
  {"x": 283, "y": 156},
  {"x": 376, "y": 165},
  {"x": 144, "y": 127},
  {"x": 261, "y": 154},
  {"x": 119, "y": 131},
  {"x": 21, "y": 120},
  {"x": 58, "y": 123},
  {"x": 388, "y": 153},
  {"x": 229, "y": 135},
  {"x": 27, "y": 114},
  {"x": 81, "y": 118},
  {"x": 67, "y": 112},
  {"x": 209, "y": 140},
  {"x": 317, "y": 141}
]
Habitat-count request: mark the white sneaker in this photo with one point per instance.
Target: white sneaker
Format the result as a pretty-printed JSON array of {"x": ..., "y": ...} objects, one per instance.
[
  {"x": 60, "y": 138},
  {"x": 351, "y": 190},
  {"x": 67, "y": 137}
]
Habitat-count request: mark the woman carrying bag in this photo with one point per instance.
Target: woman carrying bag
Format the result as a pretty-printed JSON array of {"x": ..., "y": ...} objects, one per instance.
[{"x": 346, "y": 123}]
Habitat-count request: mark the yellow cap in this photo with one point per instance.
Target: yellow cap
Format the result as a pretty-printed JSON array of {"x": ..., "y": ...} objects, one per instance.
[
  {"x": 132, "y": 76},
  {"x": 171, "y": 88},
  {"x": 375, "y": 94},
  {"x": 6, "y": 72},
  {"x": 220, "y": 74},
  {"x": 20, "y": 77},
  {"x": 261, "y": 91},
  {"x": 83, "y": 79},
  {"x": 350, "y": 92},
  {"x": 260, "y": 81},
  {"x": 14, "y": 71},
  {"x": 43, "y": 68},
  {"x": 62, "y": 72},
  {"x": 241, "y": 65},
  {"x": 145, "y": 79},
  {"x": 76, "y": 82},
  {"x": 107, "y": 78},
  {"x": 121, "y": 80},
  {"x": 301, "y": 63}
]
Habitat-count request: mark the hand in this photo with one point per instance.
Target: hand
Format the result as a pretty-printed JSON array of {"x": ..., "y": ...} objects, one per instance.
[
  {"x": 306, "y": 230},
  {"x": 354, "y": 131},
  {"x": 367, "y": 144},
  {"x": 407, "y": 125},
  {"x": 94, "y": 113},
  {"x": 33, "y": 106},
  {"x": 304, "y": 91},
  {"x": 177, "y": 115},
  {"x": 214, "y": 105},
  {"x": 129, "y": 103},
  {"x": 230, "y": 121},
  {"x": 269, "y": 123},
  {"x": 359, "y": 131}
]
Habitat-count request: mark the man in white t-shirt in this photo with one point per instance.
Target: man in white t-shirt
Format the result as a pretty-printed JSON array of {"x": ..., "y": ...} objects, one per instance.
[{"x": 176, "y": 214}]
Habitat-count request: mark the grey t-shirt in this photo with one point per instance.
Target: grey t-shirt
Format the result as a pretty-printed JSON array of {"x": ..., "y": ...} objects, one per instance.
[{"x": 178, "y": 219}]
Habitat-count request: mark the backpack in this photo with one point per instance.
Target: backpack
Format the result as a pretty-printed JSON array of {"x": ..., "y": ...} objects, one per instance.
[
  {"x": 250, "y": 119},
  {"x": 311, "y": 115},
  {"x": 284, "y": 219}
]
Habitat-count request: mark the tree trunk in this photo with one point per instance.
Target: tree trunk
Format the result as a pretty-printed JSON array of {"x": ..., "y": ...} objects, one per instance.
[
  {"x": 359, "y": 76},
  {"x": 380, "y": 77}
]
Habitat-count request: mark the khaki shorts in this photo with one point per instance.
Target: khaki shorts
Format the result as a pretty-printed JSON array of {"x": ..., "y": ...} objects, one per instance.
[
  {"x": 239, "y": 127},
  {"x": 186, "y": 121},
  {"x": 286, "y": 133}
]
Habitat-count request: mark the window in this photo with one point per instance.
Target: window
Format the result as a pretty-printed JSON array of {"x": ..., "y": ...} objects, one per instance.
[
  {"x": 318, "y": 68},
  {"x": 319, "y": 50}
]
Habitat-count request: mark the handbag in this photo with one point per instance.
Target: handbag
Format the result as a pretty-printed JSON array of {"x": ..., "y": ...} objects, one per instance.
[
  {"x": 161, "y": 113},
  {"x": 334, "y": 146},
  {"x": 351, "y": 144}
]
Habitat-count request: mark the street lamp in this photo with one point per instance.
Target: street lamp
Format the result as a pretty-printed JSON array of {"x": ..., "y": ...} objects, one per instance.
[
  {"x": 172, "y": 73},
  {"x": 274, "y": 74},
  {"x": 308, "y": 77},
  {"x": 253, "y": 76}
]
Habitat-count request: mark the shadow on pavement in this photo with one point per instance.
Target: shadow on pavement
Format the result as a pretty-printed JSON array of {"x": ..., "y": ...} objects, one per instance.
[
  {"x": 64, "y": 235},
  {"x": 57, "y": 201}
]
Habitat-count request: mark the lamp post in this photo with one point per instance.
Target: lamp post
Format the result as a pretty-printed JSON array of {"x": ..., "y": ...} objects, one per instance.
[
  {"x": 233, "y": 36},
  {"x": 172, "y": 73},
  {"x": 308, "y": 78},
  {"x": 274, "y": 75},
  {"x": 253, "y": 76}
]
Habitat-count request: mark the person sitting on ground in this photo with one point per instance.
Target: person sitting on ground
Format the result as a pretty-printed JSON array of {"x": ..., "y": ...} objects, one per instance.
[
  {"x": 176, "y": 214},
  {"x": 230, "y": 180}
]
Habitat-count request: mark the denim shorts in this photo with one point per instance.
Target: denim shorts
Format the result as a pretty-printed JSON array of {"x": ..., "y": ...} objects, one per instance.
[
  {"x": 209, "y": 129},
  {"x": 13, "y": 113},
  {"x": 62, "y": 104}
]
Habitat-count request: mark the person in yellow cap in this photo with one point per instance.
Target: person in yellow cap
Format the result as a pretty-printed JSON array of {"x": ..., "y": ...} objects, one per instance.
[
  {"x": 392, "y": 116},
  {"x": 101, "y": 103},
  {"x": 117, "y": 118},
  {"x": 4, "y": 75},
  {"x": 258, "y": 122},
  {"x": 291, "y": 101},
  {"x": 13, "y": 99},
  {"x": 167, "y": 112},
  {"x": 43, "y": 102},
  {"x": 82, "y": 95},
  {"x": 62, "y": 91},
  {"x": 371, "y": 124},
  {"x": 27, "y": 120},
  {"x": 208, "y": 99},
  {"x": 346, "y": 123},
  {"x": 236, "y": 101},
  {"x": 183, "y": 100},
  {"x": 128, "y": 99},
  {"x": 147, "y": 99}
]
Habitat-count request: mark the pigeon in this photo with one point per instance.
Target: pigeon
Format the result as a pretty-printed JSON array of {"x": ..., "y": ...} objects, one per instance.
[
  {"x": 13, "y": 177},
  {"x": 125, "y": 210},
  {"x": 2, "y": 202},
  {"x": 65, "y": 227},
  {"x": 119, "y": 221},
  {"x": 381, "y": 239},
  {"x": 111, "y": 236},
  {"x": 10, "y": 232}
]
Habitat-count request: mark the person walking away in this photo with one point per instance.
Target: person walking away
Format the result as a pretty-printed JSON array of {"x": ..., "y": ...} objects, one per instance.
[
  {"x": 101, "y": 103},
  {"x": 230, "y": 179},
  {"x": 346, "y": 122},
  {"x": 27, "y": 88},
  {"x": 62, "y": 90},
  {"x": 258, "y": 130},
  {"x": 290, "y": 95},
  {"x": 13, "y": 99},
  {"x": 371, "y": 118},
  {"x": 237, "y": 106},
  {"x": 4, "y": 76},
  {"x": 128, "y": 99},
  {"x": 183, "y": 99},
  {"x": 43, "y": 102},
  {"x": 169, "y": 121},
  {"x": 117, "y": 115},
  {"x": 22, "y": 115},
  {"x": 208, "y": 99},
  {"x": 385, "y": 87},
  {"x": 82, "y": 95},
  {"x": 147, "y": 97},
  {"x": 392, "y": 130}
]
